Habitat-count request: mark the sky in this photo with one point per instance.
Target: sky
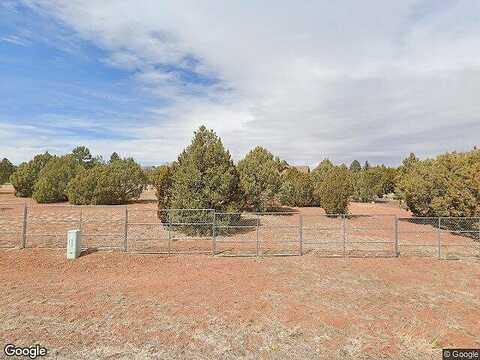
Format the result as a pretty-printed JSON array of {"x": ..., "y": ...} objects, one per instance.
[{"x": 369, "y": 80}]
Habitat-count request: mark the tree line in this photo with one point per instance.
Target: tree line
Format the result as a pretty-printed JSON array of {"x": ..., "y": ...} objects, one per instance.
[{"x": 205, "y": 176}]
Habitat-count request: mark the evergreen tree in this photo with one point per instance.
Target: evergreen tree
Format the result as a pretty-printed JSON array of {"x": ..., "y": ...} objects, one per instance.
[{"x": 260, "y": 178}]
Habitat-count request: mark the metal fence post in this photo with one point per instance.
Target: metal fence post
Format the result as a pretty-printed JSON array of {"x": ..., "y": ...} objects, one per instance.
[
  {"x": 439, "y": 235},
  {"x": 169, "y": 232},
  {"x": 479, "y": 229},
  {"x": 24, "y": 227},
  {"x": 300, "y": 229},
  {"x": 397, "y": 253},
  {"x": 125, "y": 245},
  {"x": 80, "y": 220},
  {"x": 344, "y": 231},
  {"x": 258, "y": 225},
  {"x": 214, "y": 235}
]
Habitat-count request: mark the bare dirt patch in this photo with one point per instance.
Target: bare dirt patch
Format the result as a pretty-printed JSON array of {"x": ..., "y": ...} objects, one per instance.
[{"x": 116, "y": 305}]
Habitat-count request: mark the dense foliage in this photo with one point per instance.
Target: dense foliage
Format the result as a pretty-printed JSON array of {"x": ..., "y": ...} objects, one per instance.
[
  {"x": 373, "y": 182},
  {"x": 6, "y": 170},
  {"x": 296, "y": 188},
  {"x": 448, "y": 185},
  {"x": 112, "y": 184},
  {"x": 334, "y": 190},
  {"x": 161, "y": 179},
  {"x": 260, "y": 178},
  {"x": 26, "y": 174},
  {"x": 54, "y": 178},
  {"x": 318, "y": 176},
  {"x": 204, "y": 176}
]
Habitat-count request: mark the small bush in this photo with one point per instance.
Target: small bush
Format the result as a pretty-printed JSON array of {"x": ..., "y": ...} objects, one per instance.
[
  {"x": 260, "y": 178},
  {"x": 53, "y": 179},
  {"x": 296, "y": 188},
  {"x": 26, "y": 175}
]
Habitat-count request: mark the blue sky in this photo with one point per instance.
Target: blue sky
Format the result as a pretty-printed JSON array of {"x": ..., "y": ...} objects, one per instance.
[{"x": 346, "y": 80}]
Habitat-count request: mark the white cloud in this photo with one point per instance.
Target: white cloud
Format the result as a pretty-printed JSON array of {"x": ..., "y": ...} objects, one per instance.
[{"x": 346, "y": 79}]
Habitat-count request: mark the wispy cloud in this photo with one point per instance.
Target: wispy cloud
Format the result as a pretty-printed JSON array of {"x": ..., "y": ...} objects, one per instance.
[
  {"x": 344, "y": 80},
  {"x": 13, "y": 39}
]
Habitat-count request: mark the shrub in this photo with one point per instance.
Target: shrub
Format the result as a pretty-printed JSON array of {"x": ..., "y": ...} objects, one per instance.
[
  {"x": 25, "y": 176},
  {"x": 373, "y": 182},
  {"x": 296, "y": 188},
  {"x": 161, "y": 179},
  {"x": 335, "y": 190},
  {"x": 54, "y": 178},
  {"x": 446, "y": 186},
  {"x": 114, "y": 157},
  {"x": 364, "y": 186},
  {"x": 259, "y": 178},
  {"x": 81, "y": 190},
  {"x": 318, "y": 176},
  {"x": 112, "y": 184},
  {"x": 6, "y": 170},
  {"x": 204, "y": 176},
  {"x": 355, "y": 166}
]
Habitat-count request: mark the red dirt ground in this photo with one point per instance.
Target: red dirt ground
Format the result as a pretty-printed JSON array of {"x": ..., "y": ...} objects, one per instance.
[{"x": 123, "y": 306}]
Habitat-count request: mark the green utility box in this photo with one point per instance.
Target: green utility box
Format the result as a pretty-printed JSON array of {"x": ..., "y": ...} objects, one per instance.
[{"x": 73, "y": 244}]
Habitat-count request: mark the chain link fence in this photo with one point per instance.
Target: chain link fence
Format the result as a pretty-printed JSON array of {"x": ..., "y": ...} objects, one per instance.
[{"x": 205, "y": 231}]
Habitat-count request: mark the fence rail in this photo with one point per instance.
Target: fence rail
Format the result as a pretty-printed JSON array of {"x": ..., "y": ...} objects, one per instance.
[{"x": 183, "y": 231}]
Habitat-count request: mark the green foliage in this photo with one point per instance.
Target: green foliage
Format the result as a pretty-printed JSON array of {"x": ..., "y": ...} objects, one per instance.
[
  {"x": 6, "y": 170},
  {"x": 161, "y": 179},
  {"x": 355, "y": 166},
  {"x": 204, "y": 176},
  {"x": 364, "y": 185},
  {"x": 82, "y": 189},
  {"x": 318, "y": 176},
  {"x": 53, "y": 179},
  {"x": 373, "y": 183},
  {"x": 260, "y": 178},
  {"x": 446, "y": 186},
  {"x": 83, "y": 156},
  {"x": 114, "y": 157},
  {"x": 26, "y": 174},
  {"x": 334, "y": 190},
  {"x": 112, "y": 184},
  {"x": 296, "y": 188}
]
